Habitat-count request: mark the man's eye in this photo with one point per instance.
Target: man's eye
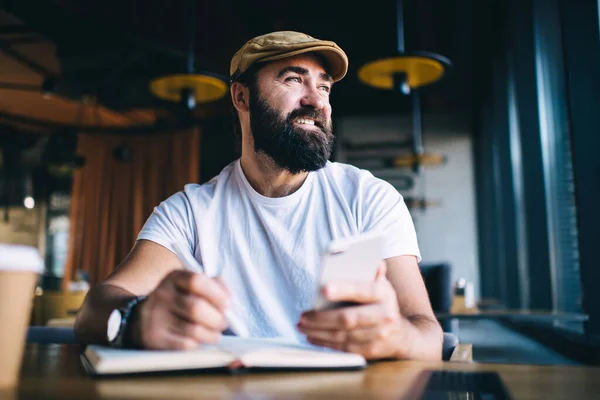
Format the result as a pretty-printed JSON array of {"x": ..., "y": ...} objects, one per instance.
[
  {"x": 293, "y": 78},
  {"x": 325, "y": 88}
]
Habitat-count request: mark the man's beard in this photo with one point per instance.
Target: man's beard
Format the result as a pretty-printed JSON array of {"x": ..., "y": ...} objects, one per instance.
[{"x": 291, "y": 147}]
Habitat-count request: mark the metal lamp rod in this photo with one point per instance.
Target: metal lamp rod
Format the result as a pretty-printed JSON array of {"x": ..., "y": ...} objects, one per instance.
[
  {"x": 400, "y": 25},
  {"x": 417, "y": 130},
  {"x": 188, "y": 97},
  {"x": 190, "y": 11}
]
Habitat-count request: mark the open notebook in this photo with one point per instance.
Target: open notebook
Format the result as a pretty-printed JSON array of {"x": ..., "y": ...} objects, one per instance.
[{"x": 230, "y": 353}]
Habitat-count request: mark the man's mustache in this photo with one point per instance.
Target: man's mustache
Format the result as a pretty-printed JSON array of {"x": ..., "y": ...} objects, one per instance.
[{"x": 310, "y": 113}]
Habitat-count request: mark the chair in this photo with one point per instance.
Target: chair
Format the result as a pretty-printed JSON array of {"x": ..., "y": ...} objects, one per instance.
[
  {"x": 51, "y": 305},
  {"x": 50, "y": 334},
  {"x": 438, "y": 281},
  {"x": 449, "y": 345},
  {"x": 454, "y": 351}
]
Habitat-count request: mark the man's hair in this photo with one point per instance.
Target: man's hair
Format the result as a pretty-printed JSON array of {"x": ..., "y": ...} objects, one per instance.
[{"x": 250, "y": 80}]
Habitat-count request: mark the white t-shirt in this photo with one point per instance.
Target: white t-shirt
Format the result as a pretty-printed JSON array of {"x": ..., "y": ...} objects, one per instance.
[{"x": 267, "y": 250}]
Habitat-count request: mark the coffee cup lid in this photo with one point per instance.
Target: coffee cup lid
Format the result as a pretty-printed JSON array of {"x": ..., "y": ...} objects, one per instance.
[{"x": 16, "y": 257}]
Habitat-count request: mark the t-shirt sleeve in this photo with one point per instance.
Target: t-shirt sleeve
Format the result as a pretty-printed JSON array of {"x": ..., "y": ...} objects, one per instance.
[
  {"x": 171, "y": 225},
  {"x": 384, "y": 211}
]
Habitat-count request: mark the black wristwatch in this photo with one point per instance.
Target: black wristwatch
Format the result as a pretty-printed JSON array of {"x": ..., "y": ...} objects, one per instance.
[{"x": 118, "y": 323}]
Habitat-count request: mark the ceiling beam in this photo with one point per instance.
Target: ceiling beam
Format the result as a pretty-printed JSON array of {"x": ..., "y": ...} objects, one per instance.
[{"x": 32, "y": 65}]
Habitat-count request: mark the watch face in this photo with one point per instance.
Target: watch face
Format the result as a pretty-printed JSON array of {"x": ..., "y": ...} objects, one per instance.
[{"x": 114, "y": 325}]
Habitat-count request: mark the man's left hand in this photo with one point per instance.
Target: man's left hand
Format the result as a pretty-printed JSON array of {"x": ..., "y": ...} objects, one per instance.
[{"x": 372, "y": 328}]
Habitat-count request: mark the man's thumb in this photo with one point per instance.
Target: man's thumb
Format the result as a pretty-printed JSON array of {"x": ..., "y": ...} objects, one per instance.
[{"x": 381, "y": 271}]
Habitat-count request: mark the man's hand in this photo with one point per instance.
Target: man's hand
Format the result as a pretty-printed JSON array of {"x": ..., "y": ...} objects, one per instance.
[
  {"x": 184, "y": 311},
  {"x": 373, "y": 328}
]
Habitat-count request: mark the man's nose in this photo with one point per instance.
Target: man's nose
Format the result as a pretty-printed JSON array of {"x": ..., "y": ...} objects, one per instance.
[{"x": 313, "y": 98}]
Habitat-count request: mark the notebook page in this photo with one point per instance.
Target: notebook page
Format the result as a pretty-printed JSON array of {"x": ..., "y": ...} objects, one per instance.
[
  {"x": 109, "y": 360},
  {"x": 242, "y": 346},
  {"x": 286, "y": 353}
]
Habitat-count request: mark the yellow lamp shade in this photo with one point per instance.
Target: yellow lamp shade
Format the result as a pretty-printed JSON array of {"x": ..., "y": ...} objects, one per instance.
[
  {"x": 421, "y": 69},
  {"x": 205, "y": 88}
]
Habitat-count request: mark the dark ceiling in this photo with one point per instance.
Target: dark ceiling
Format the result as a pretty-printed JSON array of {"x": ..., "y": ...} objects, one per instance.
[{"x": 113, "y": 48}]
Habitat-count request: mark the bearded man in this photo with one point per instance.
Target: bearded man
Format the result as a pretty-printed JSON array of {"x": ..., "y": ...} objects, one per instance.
[{"x": 246, "y": 246}]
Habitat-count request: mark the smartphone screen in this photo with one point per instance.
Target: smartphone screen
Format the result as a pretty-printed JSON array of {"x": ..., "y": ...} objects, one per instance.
[{"x": 354, "y": 258}]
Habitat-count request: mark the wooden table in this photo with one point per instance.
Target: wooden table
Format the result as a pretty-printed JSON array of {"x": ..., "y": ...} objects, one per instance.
[{"x": 53, "y": 371}]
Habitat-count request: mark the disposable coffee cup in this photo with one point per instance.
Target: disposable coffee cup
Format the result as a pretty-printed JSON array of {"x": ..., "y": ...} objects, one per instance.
[{"x": 20, "y": 267}]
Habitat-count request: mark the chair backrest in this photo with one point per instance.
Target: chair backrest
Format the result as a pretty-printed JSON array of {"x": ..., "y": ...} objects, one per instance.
[
  {"x": 52, "y": 304},
  {"x": 450, "y": 343},
  {"x": 438, "y": 281},
  {"x": 48, "y": 334}
]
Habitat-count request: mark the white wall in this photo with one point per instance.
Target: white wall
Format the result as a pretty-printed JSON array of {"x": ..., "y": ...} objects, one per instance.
[{"x": 446, "y": 232}]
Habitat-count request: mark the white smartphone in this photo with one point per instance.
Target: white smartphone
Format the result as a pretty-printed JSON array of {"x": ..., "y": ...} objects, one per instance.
[{"x": 353, "y": 258}]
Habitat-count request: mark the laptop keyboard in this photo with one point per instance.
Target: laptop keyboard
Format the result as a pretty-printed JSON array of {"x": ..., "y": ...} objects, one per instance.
[{"x": 464, "y": 385}]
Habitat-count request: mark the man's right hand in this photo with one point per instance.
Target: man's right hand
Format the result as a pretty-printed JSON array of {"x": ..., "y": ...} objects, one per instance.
[{"x": 184, "y": 311}]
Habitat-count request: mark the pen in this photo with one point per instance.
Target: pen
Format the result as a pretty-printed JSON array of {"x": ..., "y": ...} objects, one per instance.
[{"x": 235, "y": 326}]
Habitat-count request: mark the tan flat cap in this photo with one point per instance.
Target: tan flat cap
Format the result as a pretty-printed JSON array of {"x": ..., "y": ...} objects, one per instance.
[{"x": 283, "y": 44}]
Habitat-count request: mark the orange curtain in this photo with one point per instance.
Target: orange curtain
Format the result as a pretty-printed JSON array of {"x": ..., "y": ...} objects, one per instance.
[{"x": 112, "y": 199}]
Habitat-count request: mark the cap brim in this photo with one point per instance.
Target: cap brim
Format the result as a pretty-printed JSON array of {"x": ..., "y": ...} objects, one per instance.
[{"x": 336, "y": 59}]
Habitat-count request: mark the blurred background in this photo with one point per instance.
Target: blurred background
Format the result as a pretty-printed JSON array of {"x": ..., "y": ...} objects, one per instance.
[{"x": 487, "y": 129}]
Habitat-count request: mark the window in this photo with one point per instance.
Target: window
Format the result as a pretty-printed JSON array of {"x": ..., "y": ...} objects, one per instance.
[{"x": 530, "y": 256}]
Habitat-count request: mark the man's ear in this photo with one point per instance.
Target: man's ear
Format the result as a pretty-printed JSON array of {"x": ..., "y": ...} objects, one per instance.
[{"x": 240, "y": 96}]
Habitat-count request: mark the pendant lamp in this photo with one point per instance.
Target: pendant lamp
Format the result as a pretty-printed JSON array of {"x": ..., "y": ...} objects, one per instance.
[
  {"x": 408, "y": 73},
  {"x": 190, "y": 88}
]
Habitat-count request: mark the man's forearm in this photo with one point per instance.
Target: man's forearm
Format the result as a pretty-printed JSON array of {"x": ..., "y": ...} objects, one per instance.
[
  {"x": 424, "y": 339},
  {"x": 90, "y": 323}
]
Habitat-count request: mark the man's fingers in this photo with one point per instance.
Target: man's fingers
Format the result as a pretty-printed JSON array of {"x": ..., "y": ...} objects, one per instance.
[
  {"x": 346, "y": 318},
  {"x": 325, "y": 343},
  {"x": 344, "y": 337},
  {"x": 173, "y": 341},
  {"x": 369, "y": 334},
  {"x": 359, "y": 292},
  {"x": 167, "y": 329},
  {"x": 371, "y": 351},
  {"x": 202, "y": 286},
  {"x": 196, "y": 332},
  {"x": 197, "y": 310},
  {"x": 169, "y": 340},
  {"x": 381, "y": 271},
  {"x": 325, "y": 335},
  {"x": 221, "y": 282}
]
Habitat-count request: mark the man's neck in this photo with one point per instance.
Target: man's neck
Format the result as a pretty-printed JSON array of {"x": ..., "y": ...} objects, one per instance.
[{"x": 267, "y": 178}]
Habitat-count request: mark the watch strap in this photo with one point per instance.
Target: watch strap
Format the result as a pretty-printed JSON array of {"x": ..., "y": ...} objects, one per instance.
[{"x": 127, "y": 311}]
